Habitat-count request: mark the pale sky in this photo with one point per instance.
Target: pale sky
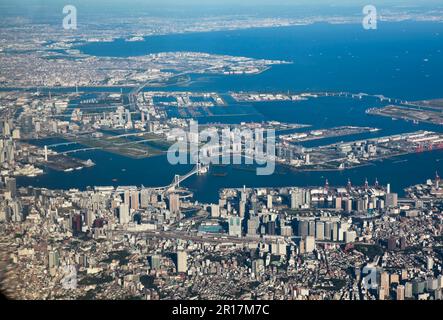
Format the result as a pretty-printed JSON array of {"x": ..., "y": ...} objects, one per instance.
[{"x": 229, "y": 2}]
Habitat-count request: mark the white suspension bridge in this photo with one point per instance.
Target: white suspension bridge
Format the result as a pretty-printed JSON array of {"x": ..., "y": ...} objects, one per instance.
[{"x": 178, "y": 179}]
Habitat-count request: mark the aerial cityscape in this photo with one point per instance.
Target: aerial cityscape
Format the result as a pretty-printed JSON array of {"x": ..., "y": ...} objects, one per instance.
[{"x": 170, "y": 151}]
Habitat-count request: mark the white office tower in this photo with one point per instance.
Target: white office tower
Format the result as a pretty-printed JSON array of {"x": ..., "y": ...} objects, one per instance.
[
  {"x": 242, "y": 208},
  {"x": 182, "y": 261},
  {"x": 320, "y": 230},
  {"x": 309, "y": 243},
  {"x": 124, "y": 216},
  {"x": 215, "y": 211},
  {"x": 269, "y": 201}
]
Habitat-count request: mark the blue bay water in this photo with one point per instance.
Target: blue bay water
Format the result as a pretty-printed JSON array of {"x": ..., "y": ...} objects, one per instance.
[
  {"x": 400, "y": 60},
  {"x": 390, "y": 60}
]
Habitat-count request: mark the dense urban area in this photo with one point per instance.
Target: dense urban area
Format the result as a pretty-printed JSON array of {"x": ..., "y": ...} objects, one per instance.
[
  {"x": 357, "y": 241},
  {"x": 323, "y": 242}
]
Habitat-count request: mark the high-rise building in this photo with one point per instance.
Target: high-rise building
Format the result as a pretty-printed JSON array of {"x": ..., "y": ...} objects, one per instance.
[
  {"x": 432, "y": 284},
  {"x": 127, "y": 197},
  {"x": 394, "y": 278},
  {"x": 135, "y": 200},
  {"x": 400, "y": 292},
  {"x": 338, "y": 203},
  {"x": 182, "y": 261},
  {"x": 76, "y": 224},
  {"x": 306, "y": 197},
  {"x": 380, "y": 204},
  {"x": 253, "y": 224},
  {"x": 328, "y": 230},
  {"x": 408, "y": 290},
  {"x": 382, "y": 292},
  {"x": 154, "y": 261},
  {"x": 11, "y": 186},
  {"x": 384, "y": 279},
  {"x": 244, "y": 195},
  {"x": 348, "y": 205},
  {"x": 270, "y": 228},
  {"x": 234, "y": 226},
  {"x": 361, "y": 204},
  {"x": 90, "y": 217},
  {"x": 174, "y": 203},
  {"x": 309, "y": 243},
  {"x": 144, "y": 198},
  {"x": 215, "y": 211},
  {"x": 124, "y": 216},
  {"x": 350, "y": 236},
  {"x": 279, "y": 248},
  {"x": 16, "y": 210},
  {"x": 295, "y": 201},
  {"x": 242, "y": 208},
  {"x": 319, "y": 230},
  {"x": 391, "y": 200},
  {"x": 418, "y": 286},
  {"x": 222, "y": 203},
  {"x": 404, "y": 275},
  {"x": 335, "y": 231},
  {"x": 286, "y": 231},
  {"x": 302, "y": 228},
  {"x": 300, "y": 198},
  {"x": 311, "y": 228},
  {"x": 154, "y": 198},
  {"x": 269, "y": 204},
  {"x": 128, "y": 118},
  {"x": 53, "y": 259}
]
